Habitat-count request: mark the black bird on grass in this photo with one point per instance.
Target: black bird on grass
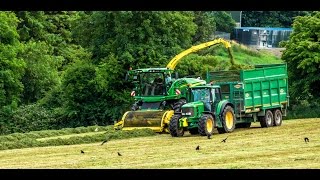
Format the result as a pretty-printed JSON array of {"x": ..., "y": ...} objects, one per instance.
[
  {"x": 224, "y": 140},
  {"x": 119, "y": 154},
  {"x": 209, "y": 136},
  {"x": 104, "y": 142},
  {"x": 198, "y": 148},
  {"x": 306, "y": 139},
  {"x": 82, "y": 152}
]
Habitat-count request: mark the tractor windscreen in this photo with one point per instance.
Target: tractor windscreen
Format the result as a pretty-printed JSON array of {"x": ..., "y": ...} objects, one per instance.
[{"x": 201, "y": 95}]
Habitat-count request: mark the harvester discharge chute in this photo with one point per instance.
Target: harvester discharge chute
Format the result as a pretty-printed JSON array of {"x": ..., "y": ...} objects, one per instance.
[{"x": 158, "y": 93}]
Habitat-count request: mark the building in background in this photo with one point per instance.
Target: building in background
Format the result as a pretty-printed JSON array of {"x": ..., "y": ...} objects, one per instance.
[{"x": 261, "y": 37}]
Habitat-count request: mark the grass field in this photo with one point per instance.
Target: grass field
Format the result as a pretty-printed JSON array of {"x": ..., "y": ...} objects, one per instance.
[{"x": 253, "y": 148}]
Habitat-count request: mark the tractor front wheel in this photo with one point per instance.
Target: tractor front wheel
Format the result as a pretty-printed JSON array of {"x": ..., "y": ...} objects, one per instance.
[
  {"x": 206, "y": 125},
  {"x": 174, "y": 128}
]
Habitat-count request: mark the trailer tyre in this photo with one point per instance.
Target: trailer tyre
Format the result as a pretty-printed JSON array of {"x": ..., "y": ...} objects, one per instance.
[
  {"x": 267, "y": 120},
  {"x": 206, "y": 125},
  {"x": 174, "y": 128},
  {"x": 277, "y": 117},
  {"x": 228, "y": 120},
  {"x": 177, "y": 105}
]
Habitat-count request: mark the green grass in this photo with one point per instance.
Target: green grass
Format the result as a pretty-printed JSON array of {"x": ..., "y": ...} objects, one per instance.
[{"x": 252, "y": 148}]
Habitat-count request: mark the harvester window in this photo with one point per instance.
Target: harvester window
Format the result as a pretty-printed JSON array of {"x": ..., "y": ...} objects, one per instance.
[{"x": 152, "y": 84}]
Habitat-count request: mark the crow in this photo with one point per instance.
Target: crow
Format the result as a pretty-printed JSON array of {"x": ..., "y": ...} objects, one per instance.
[
  {"x": 198, "y": 148},
  {"x": 82, "y": 152},
  {"x": 104, "y": 142},
  {"x": 306, "y": 139},
  {"x": 119, "y": 154},
  {"x": 224, "y": 140},
  {"x": 209, "y": 136}
]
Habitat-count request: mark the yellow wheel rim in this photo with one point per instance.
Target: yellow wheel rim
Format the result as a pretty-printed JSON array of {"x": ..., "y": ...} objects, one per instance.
[
  {"x": 209, "y": 124},
  {"x": 229, "y": 120}
]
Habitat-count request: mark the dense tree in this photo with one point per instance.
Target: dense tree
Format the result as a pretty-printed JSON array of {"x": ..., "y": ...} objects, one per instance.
[
  {"x": 11, "y": 67},
  {"x": 224, "y": 21},
  {"x": 302, "y": 54},
  {"x": 48, "y": 48},
  {"x": 206, "y": 26}
]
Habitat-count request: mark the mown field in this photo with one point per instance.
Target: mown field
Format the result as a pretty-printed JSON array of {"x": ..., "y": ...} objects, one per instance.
[{"x": 253, "y": 148}]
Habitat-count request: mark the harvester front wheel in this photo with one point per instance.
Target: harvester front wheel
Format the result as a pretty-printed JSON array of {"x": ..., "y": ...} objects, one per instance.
[
  {"x": 277, "y": 116},
  {"x": 177, "y": 105},
  {"x": 206, "y": 125},
  {"x": 174, "y": 128},
  {"x": 267, "y": 120},
  {"x": 228, "y": 120}
]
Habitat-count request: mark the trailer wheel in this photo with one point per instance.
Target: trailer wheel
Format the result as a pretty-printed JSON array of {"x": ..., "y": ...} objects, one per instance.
[
  {"x": 267, "y": 120},
  {"x": 177, "y": 105},
  {"x": 228, "y": 120},
  {"x": 174, "y": 128},
  {"x": 206, "y": 125},
  {"x": 193, "y": 131},
  {"x": 277, "y": 117}
]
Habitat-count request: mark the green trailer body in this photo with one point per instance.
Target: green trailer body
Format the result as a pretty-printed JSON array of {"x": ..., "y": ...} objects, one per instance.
[{"x": 253, "y": 91}]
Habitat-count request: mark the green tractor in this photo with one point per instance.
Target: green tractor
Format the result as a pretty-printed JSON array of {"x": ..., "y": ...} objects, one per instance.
[
  {"x": 159, "y": 93},
  {"x": 205, "y": 111}
]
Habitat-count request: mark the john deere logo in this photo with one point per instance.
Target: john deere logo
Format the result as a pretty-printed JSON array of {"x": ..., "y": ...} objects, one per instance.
[{"x": 238, "y": 86}]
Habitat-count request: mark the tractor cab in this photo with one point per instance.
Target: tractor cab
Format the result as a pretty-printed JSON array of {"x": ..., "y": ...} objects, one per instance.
[{"x": 209, "y": 95}]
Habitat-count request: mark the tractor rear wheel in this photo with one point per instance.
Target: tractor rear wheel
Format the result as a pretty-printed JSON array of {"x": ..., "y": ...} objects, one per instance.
[
  {"x": 174, "y": 128},
  {"x": 177, "y": 105},
  {"x": 206, "y": 125},
  {"x": 277, "y": 117},
  {"x": 267, "y": 120},
  {"x": 228, "y": 120}
]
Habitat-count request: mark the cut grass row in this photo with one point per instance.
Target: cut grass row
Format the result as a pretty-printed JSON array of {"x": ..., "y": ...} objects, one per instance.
[{"x": 80, "y": 135}]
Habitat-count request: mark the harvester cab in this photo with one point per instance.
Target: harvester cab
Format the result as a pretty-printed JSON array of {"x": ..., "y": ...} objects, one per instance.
[{"x": 159, "y": 93}]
